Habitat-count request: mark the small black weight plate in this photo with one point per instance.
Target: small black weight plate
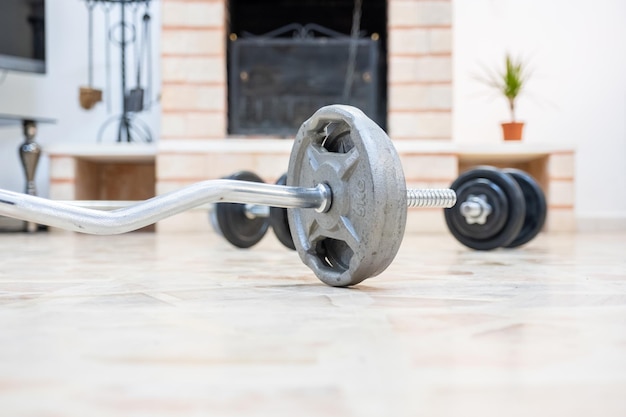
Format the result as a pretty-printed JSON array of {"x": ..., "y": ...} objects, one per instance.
[
  {"x": 496, "y": 198},
  {"x": 506, "y": 200},
  {"x": 536, "y": 207},
  {"x": 280, "y": 222},
  {"x": 236, "y": 227}
]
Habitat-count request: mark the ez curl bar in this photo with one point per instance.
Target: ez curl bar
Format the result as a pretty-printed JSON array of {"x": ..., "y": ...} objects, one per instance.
[{"x": 345, "y": 192}]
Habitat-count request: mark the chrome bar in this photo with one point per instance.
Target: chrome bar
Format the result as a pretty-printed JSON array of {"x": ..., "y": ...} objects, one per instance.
[
  {"x": 257, "y": 211},
  {"x": 84, "y": 220},
  {"x": 437, "y": 198},
  {"x": 108, "y": 205}
]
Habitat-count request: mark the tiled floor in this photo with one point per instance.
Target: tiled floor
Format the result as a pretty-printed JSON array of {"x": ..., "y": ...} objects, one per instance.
[{"x": 185, "y": 325}]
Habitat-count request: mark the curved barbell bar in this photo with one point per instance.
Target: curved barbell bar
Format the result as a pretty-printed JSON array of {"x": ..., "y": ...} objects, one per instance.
[{"x": 78, "y": 219}]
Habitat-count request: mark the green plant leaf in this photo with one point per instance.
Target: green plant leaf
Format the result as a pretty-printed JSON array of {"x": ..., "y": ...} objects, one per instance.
[{"x": 510, "y": 82}]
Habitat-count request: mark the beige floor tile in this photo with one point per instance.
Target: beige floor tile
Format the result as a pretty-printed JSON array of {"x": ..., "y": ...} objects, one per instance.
[{"x": 185, "y": 325}]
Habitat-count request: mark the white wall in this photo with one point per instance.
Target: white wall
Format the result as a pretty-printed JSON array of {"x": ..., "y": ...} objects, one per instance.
[
  {"x": 55, "y": 94},
  {"x": 577, "y": 93}
]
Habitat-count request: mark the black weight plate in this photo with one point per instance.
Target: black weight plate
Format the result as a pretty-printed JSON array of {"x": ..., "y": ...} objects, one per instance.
[
  {"x": 496, "y": 198},
  {"x": 536, "y": 207},
  {"x": 279, "y": 221},
  {"x": 508, "y": 209},
  {"x": 236, "y": 227}
]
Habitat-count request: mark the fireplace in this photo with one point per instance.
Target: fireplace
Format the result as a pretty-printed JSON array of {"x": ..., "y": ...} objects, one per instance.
[
  {"x": 276, "y": 82},
  {"x": 408, "y": 85},
  {"x": 284, "y": 67},
  {"x": 413, "y": 37}
]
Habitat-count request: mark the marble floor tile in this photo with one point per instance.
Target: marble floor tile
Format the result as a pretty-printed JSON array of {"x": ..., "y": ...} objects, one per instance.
[{"x": 161, "y": 324}]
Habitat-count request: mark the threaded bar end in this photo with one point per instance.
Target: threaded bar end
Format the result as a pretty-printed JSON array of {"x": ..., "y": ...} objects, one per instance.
[{"x": 435, "y": 198}]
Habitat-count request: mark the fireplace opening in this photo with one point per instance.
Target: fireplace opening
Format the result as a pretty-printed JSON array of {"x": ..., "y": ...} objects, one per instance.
[{"x": 287, "y": 58}]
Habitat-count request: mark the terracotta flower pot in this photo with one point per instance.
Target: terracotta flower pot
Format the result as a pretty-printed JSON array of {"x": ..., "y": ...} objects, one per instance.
[{"x": 512, "y": 130}]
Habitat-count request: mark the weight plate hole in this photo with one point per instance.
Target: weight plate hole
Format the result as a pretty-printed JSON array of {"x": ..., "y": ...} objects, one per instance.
[
  {"x": 337, "y": 138},
  {"x": 334, "y": 253}
]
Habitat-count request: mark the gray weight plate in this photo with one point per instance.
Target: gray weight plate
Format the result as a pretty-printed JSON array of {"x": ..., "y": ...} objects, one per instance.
[{"x": 358, "y": 237}]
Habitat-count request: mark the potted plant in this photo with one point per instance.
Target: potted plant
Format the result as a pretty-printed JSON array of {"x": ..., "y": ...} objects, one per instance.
[{"x": 511, "y": 82}]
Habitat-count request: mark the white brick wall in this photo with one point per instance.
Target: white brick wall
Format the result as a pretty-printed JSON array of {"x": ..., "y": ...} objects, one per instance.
[
  {"x": 420, "y": 168},
  {"x": 420, "y": 69},
  {"x": 414, "y": 125},
  {"x": 192, "y": 42},
  {"x": 420, "y": 97},
  {"x": 420, "y": 41},
  {"x": 199, "y": 14},
  {"x": 193, "y": 97},
  {"x": 423, "y": 13},
  {"x": 561, "y": 193},
  {"x": 404, "y": 69},
  {"x": 199, "y": 125},
  {"x": 194, "y": 69},
  {"x": 561, "y": 166},
  {"x": 440, "y": 40},
  {"x": 409, "y": 41}
]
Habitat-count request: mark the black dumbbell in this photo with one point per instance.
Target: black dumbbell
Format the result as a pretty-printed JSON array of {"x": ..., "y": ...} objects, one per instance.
[
  {"x": 496, "y": 208},
  {"x": 244, "y": 225}
]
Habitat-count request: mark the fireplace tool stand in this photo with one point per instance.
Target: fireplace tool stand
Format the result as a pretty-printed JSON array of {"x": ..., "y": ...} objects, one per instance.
[{"x": 124, "y": 33}]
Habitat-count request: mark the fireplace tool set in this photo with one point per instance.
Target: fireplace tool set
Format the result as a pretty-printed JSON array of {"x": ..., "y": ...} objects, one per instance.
[{"x": 132, "y": 30}]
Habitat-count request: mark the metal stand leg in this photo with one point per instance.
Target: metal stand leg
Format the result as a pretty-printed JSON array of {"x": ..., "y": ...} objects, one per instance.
[{"x": 30, "y": 151}]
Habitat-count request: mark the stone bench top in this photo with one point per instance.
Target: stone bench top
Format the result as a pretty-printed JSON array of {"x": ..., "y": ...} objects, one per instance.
[
  {"x": 140, "y": 151},
  {"x": 135, "y": 152}
]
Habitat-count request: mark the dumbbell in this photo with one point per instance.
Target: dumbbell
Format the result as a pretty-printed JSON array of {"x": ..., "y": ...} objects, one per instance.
[
  {"x": 244, "y": 225},
  {"x": 346, "y": 195},
  {"x": 496, "y": 208}
]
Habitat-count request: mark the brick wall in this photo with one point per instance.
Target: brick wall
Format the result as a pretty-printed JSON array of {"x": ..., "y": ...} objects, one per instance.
[
  {"x": 193, "y": 69},
  {"x": 420, "y": 69},
  {"x": 560, "y": 186}
]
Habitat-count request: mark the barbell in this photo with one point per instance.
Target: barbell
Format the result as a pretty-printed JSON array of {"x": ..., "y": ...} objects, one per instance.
[{"x": 345, "y": 190}]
